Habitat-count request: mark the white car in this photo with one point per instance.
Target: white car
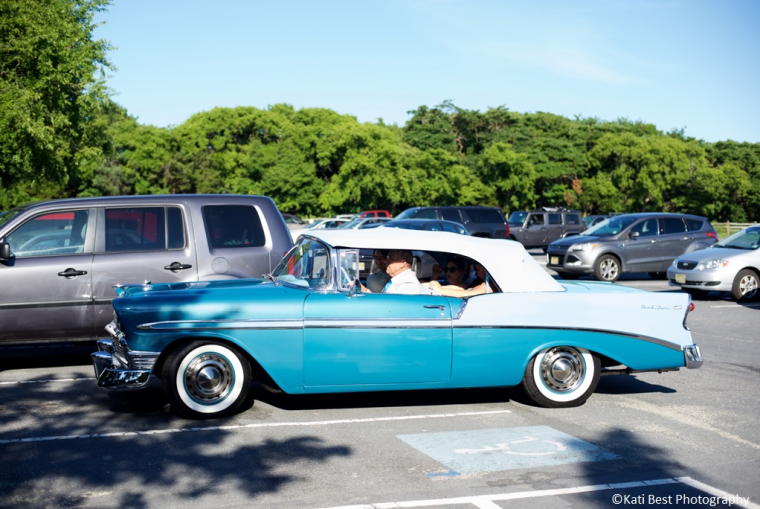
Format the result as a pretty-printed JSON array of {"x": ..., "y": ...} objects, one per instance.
[{"x": 732, "y": 265}]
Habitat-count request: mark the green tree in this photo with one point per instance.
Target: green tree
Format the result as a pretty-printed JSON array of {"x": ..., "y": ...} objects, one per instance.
[{"x": 48, "y": 87}]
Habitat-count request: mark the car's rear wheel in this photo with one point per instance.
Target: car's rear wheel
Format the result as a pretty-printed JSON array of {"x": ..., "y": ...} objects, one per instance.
[
  {"x": 745, "y": 285},
  {"x": 561, "y": 376},
  {"x": 206, "y": 379},
  {"x": 607, "y": 268}
]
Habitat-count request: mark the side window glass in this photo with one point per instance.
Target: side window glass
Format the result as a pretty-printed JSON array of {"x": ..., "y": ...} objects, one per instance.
[
  {"x": 349, "y": 268},
  {"x": 646, "y": 228},
  {"x": 672, "y": 225},
  {"x": 426, "y": 214},
  {"x": 450, "y": 228},
  {"x": 135, "y": 229},
  {"x": 572, "y": 219},
  {"x": 555, "y": 218},
  {"x": 694, "y": 225},
  {"x": 233, "y": 226},
  {"x": 535, "y": 219},
  {"x": 55, "y": 233},
  {"x": 451, "y": 215},
  {"x": 175, "y": 228}
]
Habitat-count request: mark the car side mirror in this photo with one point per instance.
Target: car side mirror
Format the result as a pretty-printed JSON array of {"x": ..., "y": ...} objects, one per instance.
[
  {"x": 5, "y": 251},
  {"x": 633, "y": 235}
]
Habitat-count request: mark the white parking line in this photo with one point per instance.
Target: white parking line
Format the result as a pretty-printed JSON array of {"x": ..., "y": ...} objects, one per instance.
[
  {"x": 256, "y": 425},
  {"x": 489, "y": 501}
]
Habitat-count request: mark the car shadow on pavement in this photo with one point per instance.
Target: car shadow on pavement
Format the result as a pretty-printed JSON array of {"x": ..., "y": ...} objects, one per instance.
[
  {"x": 381, "y": 399},
  {"x": 629, "y": 384}
]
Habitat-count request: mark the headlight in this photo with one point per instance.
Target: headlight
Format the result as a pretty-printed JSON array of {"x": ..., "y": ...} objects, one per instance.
[
  {"x": 712, "y": 264},
  {"x": 583, "y": 246},
  {"x": 675, "y": 263}
]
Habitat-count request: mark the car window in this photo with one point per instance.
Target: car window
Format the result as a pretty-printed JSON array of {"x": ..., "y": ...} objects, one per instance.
[
  {"x": 451, "y": 215},
  {"x": 233, "y": 226},
  {"x": 484, "y": 215},
  {"x": 306, "y": 265},
  {"x": 433, "y": 227},
  {"x": 672, "y": 225},
  {"x": 51, "y": 234},
  {"x": 555, "y": 218},
  {"x": 572, "y": 219},
  {"x": 535, "y": 219},
  {"x": 426, "y": 214},
  {"x": 646, "y": 228},
  {"x": 517, "y": 217},
  {"x": 450, "y": 228},
  {"x": 694, "y": 225}
]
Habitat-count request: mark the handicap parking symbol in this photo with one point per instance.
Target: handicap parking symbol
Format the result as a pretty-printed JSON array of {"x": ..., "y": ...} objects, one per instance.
[{"x": 505, "y": 448}]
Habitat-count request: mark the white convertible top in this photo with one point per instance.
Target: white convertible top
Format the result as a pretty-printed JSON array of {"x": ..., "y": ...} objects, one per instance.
[{"x": 507, "y": 261}]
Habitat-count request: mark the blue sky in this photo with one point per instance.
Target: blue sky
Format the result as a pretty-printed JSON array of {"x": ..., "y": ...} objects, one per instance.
[{"x": 691, "y": 64}]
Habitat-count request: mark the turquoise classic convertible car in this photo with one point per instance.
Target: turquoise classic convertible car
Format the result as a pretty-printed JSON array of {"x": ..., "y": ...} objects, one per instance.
[{"x": 309, "y": 328}]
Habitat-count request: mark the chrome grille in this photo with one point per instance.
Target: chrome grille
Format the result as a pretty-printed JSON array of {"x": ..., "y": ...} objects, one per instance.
[{"x": 686, "y": 265}]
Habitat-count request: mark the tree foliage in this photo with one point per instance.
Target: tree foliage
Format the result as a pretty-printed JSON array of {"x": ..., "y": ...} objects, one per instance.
[
  {"x": 49, "y": 88},
  {"x": 61, "y": 135}
]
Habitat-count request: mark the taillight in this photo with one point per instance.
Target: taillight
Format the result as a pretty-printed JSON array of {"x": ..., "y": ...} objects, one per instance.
[
  {"x": 691, "y": 307},
  {"x": 506, "y": 231},
  {"x": 713, "y": 235}
]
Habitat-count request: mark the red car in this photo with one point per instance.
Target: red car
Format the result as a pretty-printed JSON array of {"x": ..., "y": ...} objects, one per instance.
[{"x": 374, "y": 213}]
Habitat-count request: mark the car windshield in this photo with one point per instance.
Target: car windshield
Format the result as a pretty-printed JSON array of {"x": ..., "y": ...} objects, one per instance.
[
  {"x": 407, "y": 214},
  {"x": 307, "y": 265},
  {"x": 9, "y": 214},
  {"x": 517, "y": 217},
  {"x": 746, "y": 239},
  {"x": 353, "y": 224},
  {"x": 611, "y": 226}
]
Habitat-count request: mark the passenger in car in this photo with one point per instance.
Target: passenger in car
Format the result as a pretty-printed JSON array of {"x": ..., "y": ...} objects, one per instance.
[
  {"x": 480, "y": 286},
  {"x": 377, "y": 280},
  {"x": 399, "y": 268}
]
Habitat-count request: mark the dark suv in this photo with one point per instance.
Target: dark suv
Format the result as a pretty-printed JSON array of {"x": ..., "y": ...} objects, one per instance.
[
  {"x": 539, "y": 228},
  {"x": 645, "y": 242},
  {"x": 479, "y": 221}
]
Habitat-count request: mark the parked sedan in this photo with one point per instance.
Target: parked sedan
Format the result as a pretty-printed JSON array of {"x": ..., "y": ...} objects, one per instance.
[
  {"x": 360, "y": 223},
  {"x": 308, "y": 328},
  {"x": 644, "y": 242},
  {"x": 434, "y": 225},
  {"x": 732, "y": 265}
]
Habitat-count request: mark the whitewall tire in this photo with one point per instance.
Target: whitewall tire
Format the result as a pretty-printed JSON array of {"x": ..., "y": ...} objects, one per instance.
[{"x": 561, "y": 376}]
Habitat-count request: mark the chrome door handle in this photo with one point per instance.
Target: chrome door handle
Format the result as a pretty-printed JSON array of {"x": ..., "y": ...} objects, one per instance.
[{"x": 433, "y": 306}]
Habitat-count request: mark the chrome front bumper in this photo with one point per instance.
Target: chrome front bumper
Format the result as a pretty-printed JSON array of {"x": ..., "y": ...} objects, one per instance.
[
  {"x": 692, "y": 356},
  {"x": 119, "y": 368}
]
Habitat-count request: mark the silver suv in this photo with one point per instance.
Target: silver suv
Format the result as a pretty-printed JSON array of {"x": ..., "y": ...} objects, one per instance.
[
  {"x": 645, "y": 242},
  {"x": 60, "y": 259}
]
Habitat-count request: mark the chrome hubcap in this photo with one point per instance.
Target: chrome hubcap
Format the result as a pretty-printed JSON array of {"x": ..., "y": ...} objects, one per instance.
[
  {"x": 208, "y": 378},
  {"x": 562, "y": 369},
  {"x": 609, "y": 269},
  {"x": 748, "y": 287}
]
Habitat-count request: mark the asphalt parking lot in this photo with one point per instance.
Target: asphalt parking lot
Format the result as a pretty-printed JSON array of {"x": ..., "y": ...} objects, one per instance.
[{"x": 674, "y": 439}]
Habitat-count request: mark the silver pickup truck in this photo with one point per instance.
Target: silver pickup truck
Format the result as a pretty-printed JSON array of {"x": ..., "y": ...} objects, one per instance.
[{"x": 59, "y": 260}]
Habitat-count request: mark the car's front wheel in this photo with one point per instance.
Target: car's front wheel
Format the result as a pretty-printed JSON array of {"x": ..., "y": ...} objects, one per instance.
[
  {"x": 745, "y": 285},
  {"x": 561, "y": 377},
  {"x": 206, "y": 379},
  {"x": 607, "y": 268}
]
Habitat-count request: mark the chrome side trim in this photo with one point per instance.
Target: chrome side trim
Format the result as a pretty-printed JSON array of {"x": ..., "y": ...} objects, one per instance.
[
  {"x": 201, "y": 325},
  {"x": 649, "y": 339},
  {"x": 378, "y": 323},
  {"x": 460, "y": 311},
  {"x": 47, "y": 304}
]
